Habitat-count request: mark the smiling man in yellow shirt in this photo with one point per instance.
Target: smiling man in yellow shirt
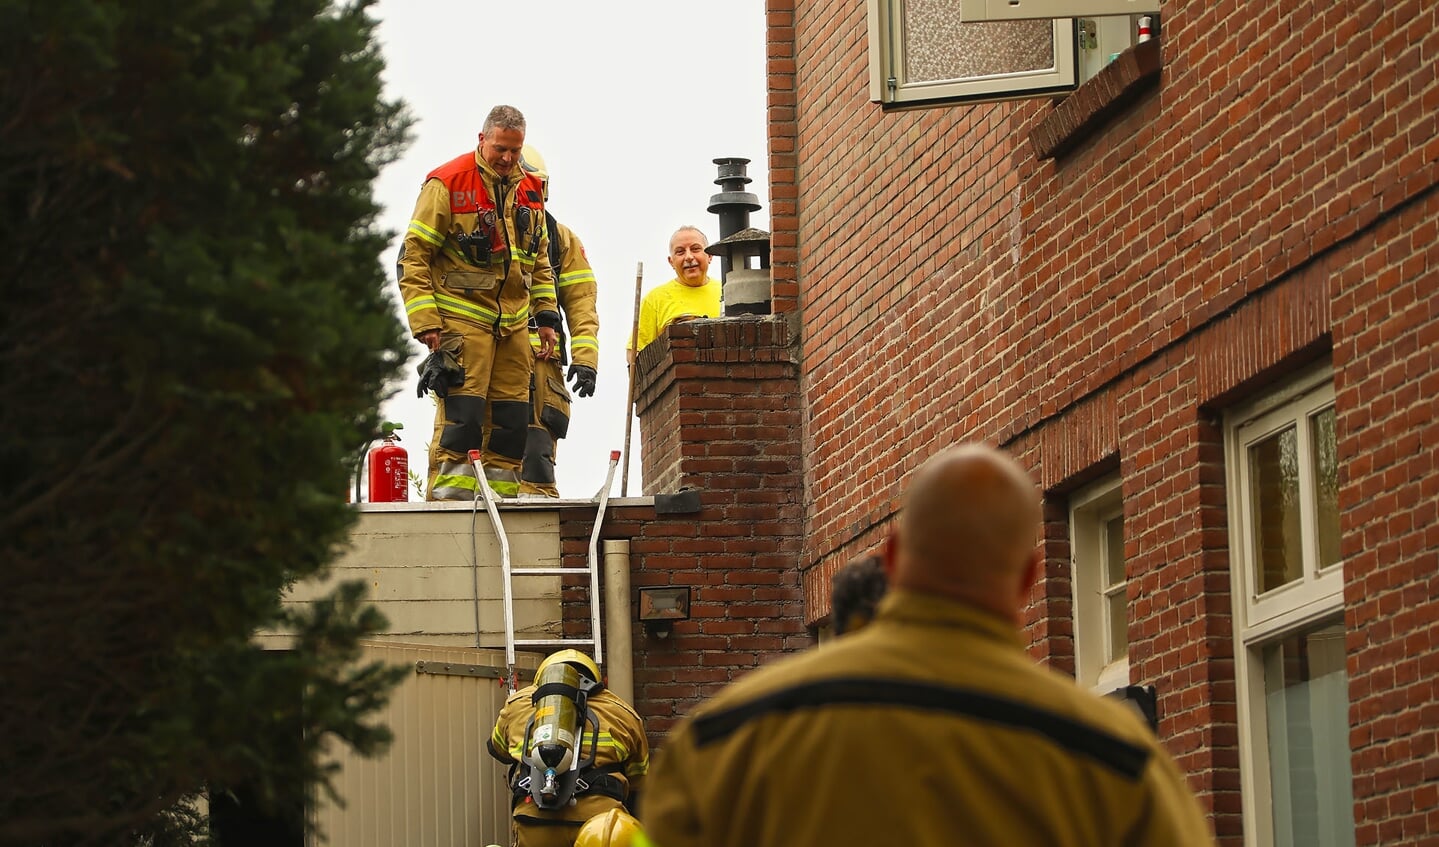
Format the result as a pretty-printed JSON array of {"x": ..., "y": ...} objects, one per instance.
[{"x": 691, "y": 294}]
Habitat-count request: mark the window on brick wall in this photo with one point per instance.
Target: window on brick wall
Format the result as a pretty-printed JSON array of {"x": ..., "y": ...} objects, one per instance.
[
  {"x": 1097, "y": 576},
  {"x": 1288, "y": 584},
  {"x": 921, "y": 52},
  {"x": 924, "y": 52}
]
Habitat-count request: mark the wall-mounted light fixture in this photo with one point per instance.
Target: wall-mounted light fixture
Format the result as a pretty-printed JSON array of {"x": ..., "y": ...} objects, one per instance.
[{"x": 661, "y": 607}]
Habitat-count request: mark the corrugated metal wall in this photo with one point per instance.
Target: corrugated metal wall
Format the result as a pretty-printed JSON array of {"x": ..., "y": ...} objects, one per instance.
[{"x": 437, "y": 786}]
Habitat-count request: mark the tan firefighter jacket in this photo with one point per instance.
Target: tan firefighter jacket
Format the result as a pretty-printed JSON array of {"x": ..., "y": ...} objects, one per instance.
[
  {"x": 577, "y": 292},
  {"x": 929, "y": 727},
  {"x": 476, "y": 251}
]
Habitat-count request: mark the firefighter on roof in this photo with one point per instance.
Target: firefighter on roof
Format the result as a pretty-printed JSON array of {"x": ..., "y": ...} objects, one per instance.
[
  {"x": 574, "y": 748},
  {"x": 550, "y": 402},
  {"x": 472, "y": 274}
]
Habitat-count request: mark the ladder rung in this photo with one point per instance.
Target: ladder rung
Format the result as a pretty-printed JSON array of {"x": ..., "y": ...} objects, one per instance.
[
  {"x": 549, "y": 642},
  {"x": 548, "y": 571}
]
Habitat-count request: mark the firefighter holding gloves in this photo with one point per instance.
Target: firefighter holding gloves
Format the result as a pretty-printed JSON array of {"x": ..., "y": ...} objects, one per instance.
[
  {"x": 575, "y": 751},
  {"x": 473, "y": 270}
]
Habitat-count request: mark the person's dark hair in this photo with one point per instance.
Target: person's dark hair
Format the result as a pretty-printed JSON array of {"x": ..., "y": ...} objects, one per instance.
[{"x": 855, "y": 592}]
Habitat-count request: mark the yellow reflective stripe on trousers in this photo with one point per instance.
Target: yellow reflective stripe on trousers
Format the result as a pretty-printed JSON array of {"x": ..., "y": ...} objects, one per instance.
[
  {"x": 452, "y": 305},
  {"x": 503, "y": 481},
  {"x": 457, "y": 481},
  {"x": 576, "y": 277},
  {"x": 454, "y": 487},
  {"x": 427, "y": 232}
]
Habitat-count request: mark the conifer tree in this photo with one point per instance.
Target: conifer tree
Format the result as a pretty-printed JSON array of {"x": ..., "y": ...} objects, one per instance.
[{"x": 195, "y": 338}]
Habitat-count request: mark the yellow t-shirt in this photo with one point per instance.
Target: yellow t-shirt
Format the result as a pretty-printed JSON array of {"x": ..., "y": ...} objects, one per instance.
[{"x": 675, "y": 301}]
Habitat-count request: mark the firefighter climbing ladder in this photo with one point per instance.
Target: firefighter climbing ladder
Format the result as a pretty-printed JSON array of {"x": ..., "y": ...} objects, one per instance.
[{"x": 592, "y": 568}]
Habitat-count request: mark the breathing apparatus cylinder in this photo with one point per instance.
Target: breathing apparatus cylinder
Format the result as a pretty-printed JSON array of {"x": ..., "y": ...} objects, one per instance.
[{"x": 550, "y": 744}]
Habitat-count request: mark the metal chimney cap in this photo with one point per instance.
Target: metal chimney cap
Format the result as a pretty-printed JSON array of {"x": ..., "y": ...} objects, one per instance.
[
  {"x": 732, "y": 167},
  {"x": 733, "y": 201},
  {"x": 744, "y": 236}
]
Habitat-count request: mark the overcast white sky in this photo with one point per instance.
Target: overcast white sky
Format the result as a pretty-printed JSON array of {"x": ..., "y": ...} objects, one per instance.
[{"x": 628, "y": 103}]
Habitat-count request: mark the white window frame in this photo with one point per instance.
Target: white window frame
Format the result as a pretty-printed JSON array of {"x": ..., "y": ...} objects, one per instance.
[
  {"x": 1260, "y": 621},
  {"x": 886, "y": 61},
  {"x": 1022, "y": 10},
  {"x": 1090, "y": 510}
]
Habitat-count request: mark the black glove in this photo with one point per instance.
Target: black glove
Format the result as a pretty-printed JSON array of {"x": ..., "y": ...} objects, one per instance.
[
  {"x": 582, "y": 377},
  {"x": 439, "y": 372}
]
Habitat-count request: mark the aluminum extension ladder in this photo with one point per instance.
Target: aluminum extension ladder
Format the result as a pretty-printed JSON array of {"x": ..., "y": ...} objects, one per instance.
[{"x": 594, "y": 641}]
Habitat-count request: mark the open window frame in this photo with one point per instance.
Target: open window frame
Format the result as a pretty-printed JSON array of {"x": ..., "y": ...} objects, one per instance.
[{"x": 893, "y": 86}]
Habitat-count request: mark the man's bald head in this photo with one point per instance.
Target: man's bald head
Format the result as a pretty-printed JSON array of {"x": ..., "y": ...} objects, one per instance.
[{"x": 968, "y": 529}]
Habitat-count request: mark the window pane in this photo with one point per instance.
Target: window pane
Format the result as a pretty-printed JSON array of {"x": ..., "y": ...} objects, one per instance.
[
  {"x": 1307, "y": 704},
  {"x": 1116, "y": 607},
  {"x": 1114, "y": 550},
  {"x": 1118, "y": 626},
  {"x": 1274, "y": 491},
  {"x": 1326, "y": 486},
  {"x": 937, "y": 46}
]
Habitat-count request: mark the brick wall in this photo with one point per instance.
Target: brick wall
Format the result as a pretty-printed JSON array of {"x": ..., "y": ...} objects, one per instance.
[
  {"x": 1386, "y": 355},
  {"x": 1269, "y": 204},
  {"x": 783, "y": 164},
  {"x": 726, "y": 393}
]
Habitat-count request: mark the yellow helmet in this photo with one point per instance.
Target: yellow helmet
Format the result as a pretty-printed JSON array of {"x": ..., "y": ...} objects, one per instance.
[
  {"x": 531, "y": 162},
  {"x": 614, "y": 828},
  {"x": 579, "y": 661}
]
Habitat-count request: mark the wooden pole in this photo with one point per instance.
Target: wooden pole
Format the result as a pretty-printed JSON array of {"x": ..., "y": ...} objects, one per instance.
[{"x": 630, "y": 403}]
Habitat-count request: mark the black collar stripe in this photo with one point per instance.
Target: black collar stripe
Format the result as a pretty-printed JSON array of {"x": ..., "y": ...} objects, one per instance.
[{"x": 1121, "y": 756}]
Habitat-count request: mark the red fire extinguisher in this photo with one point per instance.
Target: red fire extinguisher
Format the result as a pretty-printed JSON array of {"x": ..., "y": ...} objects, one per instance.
[{"x": 390, "y": 468}]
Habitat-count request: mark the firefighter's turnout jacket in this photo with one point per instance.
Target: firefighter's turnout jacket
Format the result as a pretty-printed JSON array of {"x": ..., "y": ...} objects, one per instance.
[
  {"x": 621, "y": 761},
  {"x": 930, "y": 726},
  {"x": 577, "y": 292},
  {"x": 473, "y": 267}
]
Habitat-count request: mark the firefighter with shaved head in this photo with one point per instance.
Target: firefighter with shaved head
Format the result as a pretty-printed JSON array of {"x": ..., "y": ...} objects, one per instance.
[{"x": 930, "y": 726}]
